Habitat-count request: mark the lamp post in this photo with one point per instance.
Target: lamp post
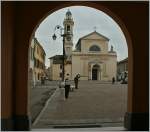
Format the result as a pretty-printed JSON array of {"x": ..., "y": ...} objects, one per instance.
[{"x": 54, "y": 38}]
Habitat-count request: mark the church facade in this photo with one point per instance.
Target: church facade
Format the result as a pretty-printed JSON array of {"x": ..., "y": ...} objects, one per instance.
[{"x": 91, "y": 57}]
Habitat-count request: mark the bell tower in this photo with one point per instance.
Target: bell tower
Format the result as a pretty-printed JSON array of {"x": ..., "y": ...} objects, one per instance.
[{"x": 68, "y": 29}]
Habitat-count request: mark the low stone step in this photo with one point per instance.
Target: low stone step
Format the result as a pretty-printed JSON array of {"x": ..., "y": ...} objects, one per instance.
[{"x": 77, "y": 126}]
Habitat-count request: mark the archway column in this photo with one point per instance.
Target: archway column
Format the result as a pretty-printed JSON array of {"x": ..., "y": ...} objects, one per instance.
[
  {"x": 17, "y": 26},
  {"x": 137, "y": 115}
]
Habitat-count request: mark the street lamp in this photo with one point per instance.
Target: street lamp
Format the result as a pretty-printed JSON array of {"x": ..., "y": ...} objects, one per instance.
[{"x": 54, "y": 38}]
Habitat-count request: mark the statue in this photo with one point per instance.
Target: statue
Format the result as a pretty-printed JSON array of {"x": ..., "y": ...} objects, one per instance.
[{"x": 111, "y": 48}]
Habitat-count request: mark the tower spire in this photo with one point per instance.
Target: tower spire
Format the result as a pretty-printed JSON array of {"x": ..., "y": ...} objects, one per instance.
[{"x": 68, "y": 14}]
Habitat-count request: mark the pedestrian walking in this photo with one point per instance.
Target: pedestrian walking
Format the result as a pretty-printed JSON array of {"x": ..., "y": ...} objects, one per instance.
[
  {"x": 62, "y": 90},
  {"x": 67, "y": 87},
  {"x": 113, "y": 80},
  {"x": 76, "y": 80}
]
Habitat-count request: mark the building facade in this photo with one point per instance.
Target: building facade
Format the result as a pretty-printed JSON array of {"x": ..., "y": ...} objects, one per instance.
[
  {"x": 91, "y": 57},
  {"x": 122, "y": 65},
  {"x": 122, "y": 68},
  {"x": 37, "y": 61},
  {"x": 92, "y": 60}
]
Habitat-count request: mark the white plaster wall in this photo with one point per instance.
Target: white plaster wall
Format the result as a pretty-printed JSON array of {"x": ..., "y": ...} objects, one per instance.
[
  {"x": 76, "y": 66},
  {"x": 111, "y": 67},
  {"x": 80, "y": 65},
  {"x": 56, "y": 72}
]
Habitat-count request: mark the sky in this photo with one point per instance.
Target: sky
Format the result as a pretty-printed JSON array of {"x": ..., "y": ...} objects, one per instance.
[{"x": 85, "y": 19}]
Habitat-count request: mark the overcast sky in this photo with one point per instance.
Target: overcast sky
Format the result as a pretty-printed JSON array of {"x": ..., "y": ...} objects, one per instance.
[{"x": 85, "y": 19}]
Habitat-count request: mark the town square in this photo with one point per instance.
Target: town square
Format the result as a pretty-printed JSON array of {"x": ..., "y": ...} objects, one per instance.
[
  {"x": 83, "y": 87},
  {"x": 93, "y": 104},
  {"x": 74, "y": 66}
]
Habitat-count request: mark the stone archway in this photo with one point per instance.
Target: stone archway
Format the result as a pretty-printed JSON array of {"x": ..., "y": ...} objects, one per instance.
[
  {"x": 123, "y": 28},
  {"x": 21, "y": 26},
  {"x": 129, "y": 42}
]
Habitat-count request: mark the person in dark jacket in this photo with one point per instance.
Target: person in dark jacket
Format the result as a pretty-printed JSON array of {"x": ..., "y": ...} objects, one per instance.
[
  {"x": 76, "y": 80},
  {"x": 113, "y": 80}
]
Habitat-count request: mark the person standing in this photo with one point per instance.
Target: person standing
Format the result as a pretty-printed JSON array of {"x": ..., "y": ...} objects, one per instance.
[
  {"x": 113, "y": 80},
  {"x": 76, "y": 80}
]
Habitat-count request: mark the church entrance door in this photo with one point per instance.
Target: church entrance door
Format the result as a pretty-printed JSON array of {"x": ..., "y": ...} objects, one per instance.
[
  {"x": 94, "y": 74},
  {"x": 95, "y": 71}
]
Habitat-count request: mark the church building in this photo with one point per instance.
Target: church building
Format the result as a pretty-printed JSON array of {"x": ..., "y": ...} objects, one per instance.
[{"x": 91, "y": 58}]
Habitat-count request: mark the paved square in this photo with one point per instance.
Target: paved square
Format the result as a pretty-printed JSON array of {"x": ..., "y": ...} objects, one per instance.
[{"x": 94, "y": 102}]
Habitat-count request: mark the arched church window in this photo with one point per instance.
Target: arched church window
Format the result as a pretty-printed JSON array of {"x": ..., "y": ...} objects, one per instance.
[{"x": 94, "y": 48}]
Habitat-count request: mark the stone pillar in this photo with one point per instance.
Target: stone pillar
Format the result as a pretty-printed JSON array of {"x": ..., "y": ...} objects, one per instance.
[
  {"x": 137, "y": 115},
  {"x": 7, "y": 72},
  {"x": 89, "y": 71}
]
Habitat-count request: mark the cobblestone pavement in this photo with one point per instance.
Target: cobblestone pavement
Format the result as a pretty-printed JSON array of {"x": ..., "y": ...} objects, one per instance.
[
  {"x": 94, "y": 103},
  {"x": 39, "y": 95}
]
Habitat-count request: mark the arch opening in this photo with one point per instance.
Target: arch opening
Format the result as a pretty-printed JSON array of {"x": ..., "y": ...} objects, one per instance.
[
  {"x": 96, "y": 69},
  {"x": 96, "y": 72}
]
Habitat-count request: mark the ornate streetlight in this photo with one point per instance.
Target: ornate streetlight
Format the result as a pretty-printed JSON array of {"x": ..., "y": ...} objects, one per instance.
[{"x": 58, "y": 27}]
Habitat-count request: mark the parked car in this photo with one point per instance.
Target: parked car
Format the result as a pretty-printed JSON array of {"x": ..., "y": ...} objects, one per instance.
[
  {"x": 124, "y": 77},
  {"x": 46, "y": 78}
]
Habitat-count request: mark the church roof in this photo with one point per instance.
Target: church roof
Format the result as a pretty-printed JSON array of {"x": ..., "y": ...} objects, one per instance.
[
  {"x": 123, "y": 61},
  {"x": 78, "y": 45},
  {"x": 36, "y": 42},
  {"x": 57, "y": 59},
  {"x": 96, "y": 33}
]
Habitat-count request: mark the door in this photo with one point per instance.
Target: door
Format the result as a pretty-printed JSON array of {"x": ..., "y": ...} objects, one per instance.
[{"x": 94, "y": 74}]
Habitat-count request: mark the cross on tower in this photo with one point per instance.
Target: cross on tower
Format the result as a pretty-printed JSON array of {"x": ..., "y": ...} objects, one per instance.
[{"x": 95, "y": 28}]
